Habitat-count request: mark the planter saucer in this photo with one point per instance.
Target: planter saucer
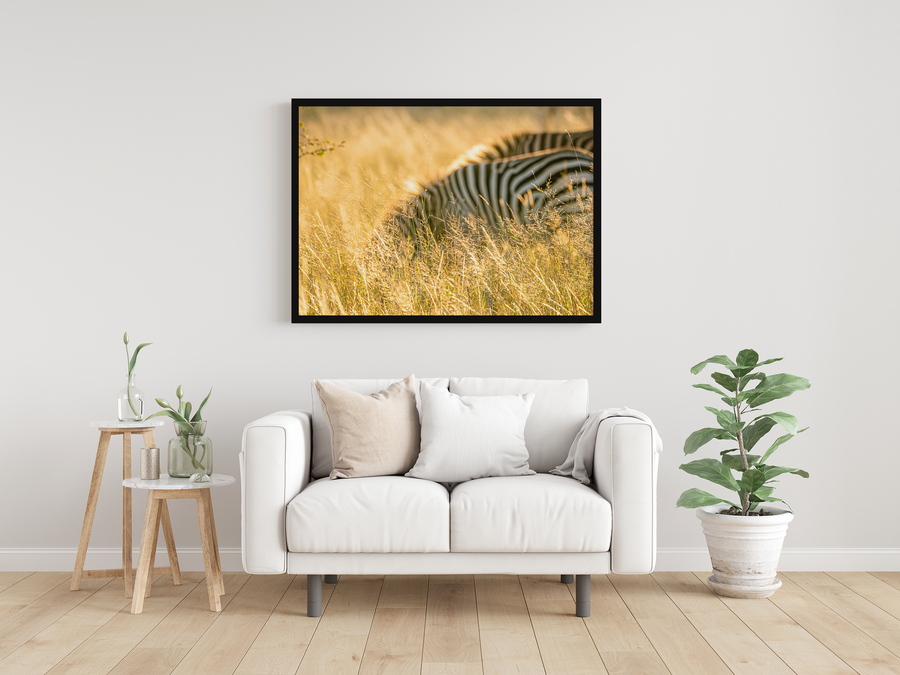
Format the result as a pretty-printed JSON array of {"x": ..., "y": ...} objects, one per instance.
[{"x": 749, "y": 592}]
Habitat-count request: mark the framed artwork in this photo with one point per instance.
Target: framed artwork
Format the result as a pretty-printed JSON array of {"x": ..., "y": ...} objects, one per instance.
[{"x": 444, "y": 211}]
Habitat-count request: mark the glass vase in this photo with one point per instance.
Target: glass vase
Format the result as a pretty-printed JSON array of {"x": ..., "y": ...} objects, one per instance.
[
  {"x": 190, "y": 451},
  {"x": 130, "y": 401}
]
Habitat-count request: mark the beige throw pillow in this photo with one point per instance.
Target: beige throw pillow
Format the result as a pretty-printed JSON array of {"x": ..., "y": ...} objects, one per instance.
[{"x": 372, "y": 435}]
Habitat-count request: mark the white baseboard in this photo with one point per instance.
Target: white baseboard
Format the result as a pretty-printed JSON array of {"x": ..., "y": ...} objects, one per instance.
[
  {"x": 791, "y": 560},
  {"x": 667, "y": 559},
  {"x": 63, "y": 559}
]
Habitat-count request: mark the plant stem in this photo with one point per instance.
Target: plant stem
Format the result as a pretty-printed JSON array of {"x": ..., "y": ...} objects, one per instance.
[{"x": 745, "y": 496}]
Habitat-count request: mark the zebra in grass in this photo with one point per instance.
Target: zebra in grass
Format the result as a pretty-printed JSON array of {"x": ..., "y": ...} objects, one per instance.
[
  {"x": 513, "y": 188},
  {"x": 524, "y": 144}
]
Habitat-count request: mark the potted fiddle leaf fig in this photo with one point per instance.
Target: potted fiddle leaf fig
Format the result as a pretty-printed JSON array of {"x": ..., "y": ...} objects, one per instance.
[{"x": 744, "y": 540}]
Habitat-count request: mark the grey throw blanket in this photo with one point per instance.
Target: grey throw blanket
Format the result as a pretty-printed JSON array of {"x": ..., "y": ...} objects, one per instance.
[{"x": 580, "y": 462}]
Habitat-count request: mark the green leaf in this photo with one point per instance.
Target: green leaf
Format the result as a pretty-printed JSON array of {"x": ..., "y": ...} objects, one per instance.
[
  {"x": 712, "y": 470},
  {"x": 709, "y": 387},
  {"x": 752, "y": 480},
  {"x": 726, "y": 419},
  {"x": 691, "y": 499},
  {"x": 747, "y": 358},
  {"x": 788, "y": 422},
  {"x": 774, "y": 387},
  {"x": 773, "y": 471},
  {"x": 765, "y": 363},
  {"x": 703, "y": 436},
  {"x": 187, "y": 411},
  {"x": 759, "y": 428},
  {"x": 720, "y": 359},
  {"x": 746, "y": 362},
  {"x": 172, "y": 414},
  {"x": 135, "y": 355},
  {"x": 777, "y": 444},
  {"x": 725, "y": 380},
  {"x": 749, "y": 378},
  {"x": 734, "y": 461},
  {"x": 762, "y": 493},
  {"x": 196, "y": 417}
]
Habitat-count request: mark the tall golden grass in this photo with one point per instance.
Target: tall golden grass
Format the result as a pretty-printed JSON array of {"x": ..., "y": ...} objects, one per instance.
[{"x": 353, "y": 261}]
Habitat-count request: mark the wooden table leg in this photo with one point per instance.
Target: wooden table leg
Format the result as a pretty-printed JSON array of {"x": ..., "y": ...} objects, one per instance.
[
  {"x": 148, "y": 545},
  {"x": 209, "y": 556},
  {"x": 215, "y": 540},
  {"x": 170, "y": 543},
  {"x": 90, "y": 509},
  {"x": 127, "y": 540}
]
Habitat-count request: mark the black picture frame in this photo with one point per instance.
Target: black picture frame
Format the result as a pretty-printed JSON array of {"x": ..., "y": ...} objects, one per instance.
[{"x": 300, "y": 104}]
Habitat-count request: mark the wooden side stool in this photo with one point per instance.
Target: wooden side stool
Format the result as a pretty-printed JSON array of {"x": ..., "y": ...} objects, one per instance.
[
  {"x": 168, "y": 487},
  {"x": 107, "y": 431}
]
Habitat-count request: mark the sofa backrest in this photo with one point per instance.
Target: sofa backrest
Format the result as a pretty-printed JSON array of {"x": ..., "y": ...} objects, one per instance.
[{"x": 559, "y": 409}]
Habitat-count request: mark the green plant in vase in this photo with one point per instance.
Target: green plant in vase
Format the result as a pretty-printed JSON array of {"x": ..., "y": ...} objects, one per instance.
[
  {"x": 131, "y": 399},
  {"x": 190, "y": 452}
]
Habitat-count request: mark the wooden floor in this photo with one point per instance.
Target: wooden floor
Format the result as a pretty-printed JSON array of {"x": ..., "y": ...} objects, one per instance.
[{"x": 669, "y": 622}]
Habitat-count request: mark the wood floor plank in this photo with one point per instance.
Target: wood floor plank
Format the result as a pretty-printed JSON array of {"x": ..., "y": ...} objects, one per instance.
[
  {"x": 44, "y": 609},
  {"x": 565, "y": 643},
  {"x": 8, "y": 579},
  {"x": 227, "y": 640},
  {"x": 452, "y": 643},
  {"x": 30, "y": 588},
  {"x": 802, "y": 652},
  {"x": 508, "y": 643},
  {"x": 339, "y": 641},
  {"x": 679, "y": 645},
  {"x": 741, "y": 649},
  {"x": 395, "y": 642},
  {"x": 891, "y": 578},
  {"x": 614, "y": 629},
  {"x": 113, "y": 641},
  {"x": 171, "y": 639},
  {"x": 871, "y": 619},
  {"x": 283, "y": 640},
  {"x": 404, "y": 591},
  {"x": 859, "y": 651},
  {"x": 871, "y": 588},
  {"x": 43, "y": 651}
]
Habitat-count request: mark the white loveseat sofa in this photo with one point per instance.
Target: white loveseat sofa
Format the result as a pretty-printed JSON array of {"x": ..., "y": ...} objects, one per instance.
[{"x": 297, "y": 520}]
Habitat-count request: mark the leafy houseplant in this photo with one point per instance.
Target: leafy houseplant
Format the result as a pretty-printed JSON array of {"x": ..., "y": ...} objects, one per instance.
[
  {"x": 131, "y": 396},
  {"x": 754, "y": 482},
  {"x": 190, "y": 451}
]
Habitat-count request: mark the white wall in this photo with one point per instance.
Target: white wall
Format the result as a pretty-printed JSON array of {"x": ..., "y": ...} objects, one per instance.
[{"x": 750, "y": 199}]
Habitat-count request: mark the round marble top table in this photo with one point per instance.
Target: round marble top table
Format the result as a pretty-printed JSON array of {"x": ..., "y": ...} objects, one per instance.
[{"x": 158, "y": 491}]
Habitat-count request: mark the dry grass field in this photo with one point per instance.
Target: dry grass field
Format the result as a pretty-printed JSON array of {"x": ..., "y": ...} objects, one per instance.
[{"x": 353, "y": 261}]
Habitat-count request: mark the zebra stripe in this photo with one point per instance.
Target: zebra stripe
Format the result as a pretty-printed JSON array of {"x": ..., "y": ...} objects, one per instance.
[
  {"x": 507, "y": 188},
  {"x": 524, "y": 144}
]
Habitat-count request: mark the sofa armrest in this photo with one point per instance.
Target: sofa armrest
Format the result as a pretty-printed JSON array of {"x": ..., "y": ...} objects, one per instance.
[
  {"x": 275, "y": 461},
  {"x": 624, "y": 473}
]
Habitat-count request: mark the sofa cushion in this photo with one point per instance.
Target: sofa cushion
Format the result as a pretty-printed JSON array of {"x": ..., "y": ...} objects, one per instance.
[
  {"x": 371, "y": 435},
  {"x": 382, "y": 514},
  {"x": 322, "y": 462},
  {"x": 540, "y": 513},
  {"x": 466, "y": 437},
  {"x": 559, "y": 409}
]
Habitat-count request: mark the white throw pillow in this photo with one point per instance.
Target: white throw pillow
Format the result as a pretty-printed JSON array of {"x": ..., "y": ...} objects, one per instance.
[{"x": 466, "y": 437}]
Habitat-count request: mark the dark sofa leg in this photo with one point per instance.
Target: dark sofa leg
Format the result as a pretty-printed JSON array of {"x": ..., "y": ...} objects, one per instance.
[
  {"x": 331, "y": 578},
  {"x": 313, "y": 595},
  {"x": 582, "y": 595},
  {"x": 567, "y": 578}
]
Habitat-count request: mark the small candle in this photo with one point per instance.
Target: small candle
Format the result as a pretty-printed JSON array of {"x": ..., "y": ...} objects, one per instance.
[{"x": 149, "y": 463}]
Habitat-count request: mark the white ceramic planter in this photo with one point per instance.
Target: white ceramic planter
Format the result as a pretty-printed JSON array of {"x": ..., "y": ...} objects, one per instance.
[{"x": 744, "y": 550}]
